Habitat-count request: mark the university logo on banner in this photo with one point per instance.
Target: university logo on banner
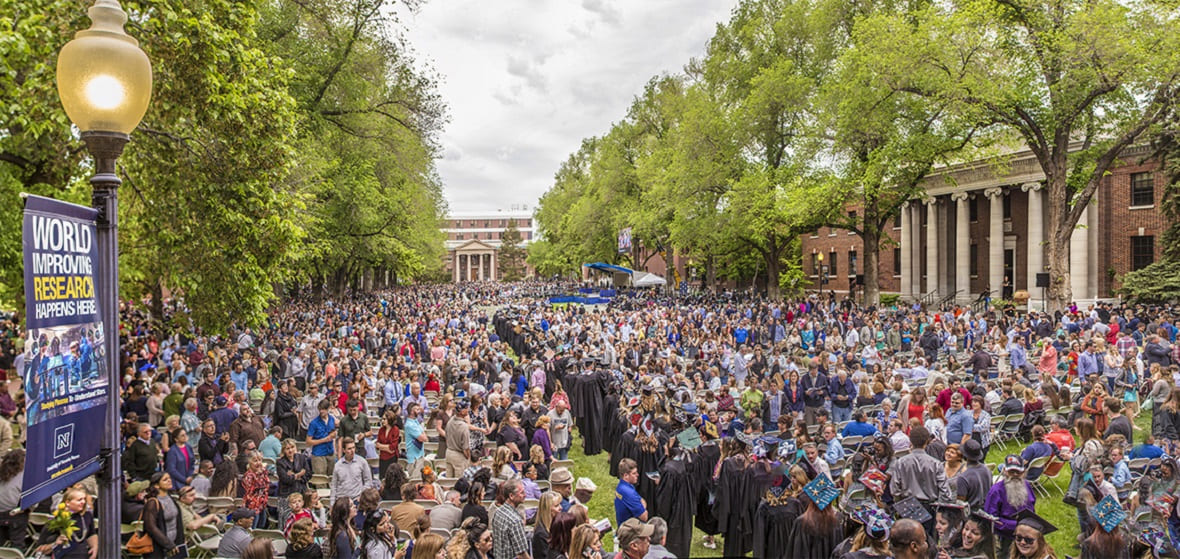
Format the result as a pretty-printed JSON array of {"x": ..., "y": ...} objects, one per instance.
[{"x": 66, "y": 386}]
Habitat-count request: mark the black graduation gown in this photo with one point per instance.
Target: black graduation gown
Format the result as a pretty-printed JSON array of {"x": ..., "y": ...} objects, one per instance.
[
  {"x": 675, "y": 501},
  {"x": 708, "y": 455},
  {"x": 772, "y": 527},
  {"x": 730, "y": 505},
  {"x": 649, "y": 461},
  {"x": 808, "y": 544}
]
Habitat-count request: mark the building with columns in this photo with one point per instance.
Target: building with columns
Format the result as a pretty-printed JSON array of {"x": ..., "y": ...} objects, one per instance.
[
  {"x": 473, "y": 242},
  {"x": 980, "y": 226}
]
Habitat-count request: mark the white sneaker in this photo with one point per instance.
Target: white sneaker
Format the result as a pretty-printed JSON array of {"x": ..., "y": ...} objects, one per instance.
[{"x": 709, "y": 545}]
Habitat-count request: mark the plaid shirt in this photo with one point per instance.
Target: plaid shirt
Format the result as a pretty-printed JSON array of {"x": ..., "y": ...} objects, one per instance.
[
  {"x": 1125, "y": 344},
  {"x": 508, "y": 538}
]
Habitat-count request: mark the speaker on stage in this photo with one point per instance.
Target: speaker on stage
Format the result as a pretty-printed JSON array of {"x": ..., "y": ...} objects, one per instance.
[{"x": 1042, "y": 280}]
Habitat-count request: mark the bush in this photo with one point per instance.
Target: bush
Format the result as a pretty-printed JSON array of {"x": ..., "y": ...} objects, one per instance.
[
  {"x": 890, "y": 299},
  {"x": 1157, "y": 283}
]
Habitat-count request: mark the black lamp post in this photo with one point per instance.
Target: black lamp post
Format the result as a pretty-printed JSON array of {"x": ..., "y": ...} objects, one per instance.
[{"x": 105, "y": 82}]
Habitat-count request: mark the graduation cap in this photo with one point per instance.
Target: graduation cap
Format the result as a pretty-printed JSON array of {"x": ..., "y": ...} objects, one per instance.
[
  {"x": 648, "y": 425},
  {"x": 877, "y": 522},
  {"x": 1034, "y": 521},
  {"x": 787, "y": 450},
  {"x": 1108, "y": 513},
  {"x": 1155, "y": 538},
  {"x": 709, "y": 429},
  {"x": 690, "y": 408},
  {"x": 912, "y": 509},
  {"x": 743, "y": 438},
  {"x": 635, "y": 418},
  {"x": 821, "y": 491},
  {"x": 633, "y": 402},
  {"x": 764, "y": 445}
]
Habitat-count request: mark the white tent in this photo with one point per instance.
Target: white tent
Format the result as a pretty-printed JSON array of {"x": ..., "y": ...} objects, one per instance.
[{"x": 645, "y": 279}]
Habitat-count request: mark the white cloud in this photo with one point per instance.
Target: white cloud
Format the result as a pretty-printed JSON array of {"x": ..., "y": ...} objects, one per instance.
[{"x": 526, "y": 80}]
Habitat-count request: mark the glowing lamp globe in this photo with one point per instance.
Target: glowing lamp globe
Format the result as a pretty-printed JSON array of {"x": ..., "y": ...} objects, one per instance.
[{"x": 103, "y": 78}]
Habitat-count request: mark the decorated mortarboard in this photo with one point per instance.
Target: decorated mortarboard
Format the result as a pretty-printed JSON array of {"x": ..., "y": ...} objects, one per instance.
[
  {"x": 982, "y": 516},
  {"x": 1034, "y": 521},
  {"x": 912, "y": 508},
  {"x": 1108, "y": 513},
  {"x": 821, "y": 491},
  {"x": 635, "y": 418},
  {"x": 689, "y": 438},
  {"x": 633, "y": 402},
  {"x": 648, "y": 426},
  {"x": 787, "y": 451},
  {"x": 874, "y": 480},
  {"x": 690, "y": 408},
  {"x": 876, "y": 521},
  {"x": 743, "y": 438},
  {"x": 1162, "y": 503},
  {"x": 764, "y": 445},
  {"x": 709, "y": 429},
  {"x": 1155, "y": 538},
  {"x": 956, "y": 505}
]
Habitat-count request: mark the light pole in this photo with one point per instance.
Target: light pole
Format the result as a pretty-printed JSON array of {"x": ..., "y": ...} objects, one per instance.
[
  {"x": 105, "y": 82},
  {"x": 820, "y": 273}
]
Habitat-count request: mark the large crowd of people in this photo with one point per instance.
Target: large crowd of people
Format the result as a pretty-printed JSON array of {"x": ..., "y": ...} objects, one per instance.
[{"x": 437, "y": 421}]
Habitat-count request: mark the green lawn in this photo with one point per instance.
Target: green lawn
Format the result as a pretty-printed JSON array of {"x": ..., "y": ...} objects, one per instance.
[{"x": 1064, "y": 541}]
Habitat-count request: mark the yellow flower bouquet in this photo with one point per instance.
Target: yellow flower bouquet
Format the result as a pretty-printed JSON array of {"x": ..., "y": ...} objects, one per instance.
[{"x": 62, "y": 522}]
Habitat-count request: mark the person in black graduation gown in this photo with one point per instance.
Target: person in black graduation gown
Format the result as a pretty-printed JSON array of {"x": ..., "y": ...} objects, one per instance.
[
  {"x": 816, "y": 533},
  {"x": 704, "y": 469},
  {"x": 650, "y": 443},
  {"x": 777, "y": 511},
  {"x": 731, "y": 499},
  {"x": 676, "y": 500}
]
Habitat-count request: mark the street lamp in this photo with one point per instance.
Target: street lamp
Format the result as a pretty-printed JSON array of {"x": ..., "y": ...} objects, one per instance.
[
  {"x": 820, "y": 273},
  {"x": 105, "y": 83}
]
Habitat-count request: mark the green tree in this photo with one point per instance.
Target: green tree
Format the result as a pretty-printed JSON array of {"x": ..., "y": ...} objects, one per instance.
[
  {"x": 512, "y": 255},
  {"x": 1077, "y": 82}
]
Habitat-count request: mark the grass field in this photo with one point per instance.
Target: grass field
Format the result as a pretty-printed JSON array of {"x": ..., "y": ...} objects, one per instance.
[{"x": 1064, "y": 541}]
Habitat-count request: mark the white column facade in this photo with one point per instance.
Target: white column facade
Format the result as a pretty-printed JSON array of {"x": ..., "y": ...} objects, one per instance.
[
  {"x": 916, "y": 251},
  {"x": 907, "y": 252},
  {"x": 454, "y": 267},
  {"x": 1079, "y": 258},
  {"x": 932, "y": 283},
  {"x": 995, "y": 241},
  {"x": 1092, "y": 234},
  {"x": 962, "y": 247},
  {"x": 1036, "y": 242}
]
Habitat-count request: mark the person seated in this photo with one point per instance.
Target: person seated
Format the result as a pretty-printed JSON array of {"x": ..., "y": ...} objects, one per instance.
[
  {"x": 1147, "y": 449},
  {"x": 858, "y": 427},
  {"x": 1039, "y": 448},
  {"x": 1121, "y": 478}
]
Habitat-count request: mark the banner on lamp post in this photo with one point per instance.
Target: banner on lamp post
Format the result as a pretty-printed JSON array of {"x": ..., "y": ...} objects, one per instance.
[{"x": 65, "y": 380}]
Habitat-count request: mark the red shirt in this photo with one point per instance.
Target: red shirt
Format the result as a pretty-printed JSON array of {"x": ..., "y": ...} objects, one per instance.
[
  {"x": 390, "y": 436},
  {"x": 1061, "y": 438}
]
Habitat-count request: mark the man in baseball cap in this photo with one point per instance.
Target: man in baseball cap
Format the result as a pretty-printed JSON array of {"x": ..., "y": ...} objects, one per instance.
[
  {"x": 635, "y": 538},
  {"x": 1007, "y": 499}
]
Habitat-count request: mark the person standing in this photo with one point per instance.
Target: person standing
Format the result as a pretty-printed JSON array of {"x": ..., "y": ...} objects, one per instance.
[
  {"x": 920, "y": 475},
  {"x": 352, "y": 473},
  {"x": 560, "y": 422},
  {"x": 321, "y": 437},
  {"x": 815, "y": 392},
  {"x": 142, "y": 458},
  {"x": 972, "y": 484},
  {"x": 181, "y": 460},
  {"x": 628, "y": 503},
  {"x": 415, "y": 436},
  {"x": 1007, "y": 499},
  {"x": 959, "y": 422},
  {"x": 508, "y": 537},
  {"x": 458, "y": 437}
]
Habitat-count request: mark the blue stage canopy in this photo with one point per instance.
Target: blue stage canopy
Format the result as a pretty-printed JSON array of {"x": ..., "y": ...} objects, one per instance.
[{"x": 609, "y": 268}]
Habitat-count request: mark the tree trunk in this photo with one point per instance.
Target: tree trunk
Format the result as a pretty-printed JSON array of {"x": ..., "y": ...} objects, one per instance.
[
  {"x": 872, "y": 272},
  {"x": 773, "y": 266},
  {"x": 710, "y": 274},
  {"x": 1060, "y": 232}
]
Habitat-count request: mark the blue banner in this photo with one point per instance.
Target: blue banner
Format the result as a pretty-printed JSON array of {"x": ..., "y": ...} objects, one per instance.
[{"x": 66, "y": 385}]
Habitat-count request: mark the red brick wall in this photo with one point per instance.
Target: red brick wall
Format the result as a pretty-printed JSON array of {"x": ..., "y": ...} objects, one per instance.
[{"x": 1120, "y": 223}]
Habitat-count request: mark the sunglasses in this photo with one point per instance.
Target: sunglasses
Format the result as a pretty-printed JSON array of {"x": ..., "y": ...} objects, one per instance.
[{"x": 1025, "y": 539}]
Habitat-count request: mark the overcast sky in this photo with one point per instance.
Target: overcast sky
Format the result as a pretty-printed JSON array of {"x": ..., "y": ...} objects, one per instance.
[{"x": 526, "y": 80}]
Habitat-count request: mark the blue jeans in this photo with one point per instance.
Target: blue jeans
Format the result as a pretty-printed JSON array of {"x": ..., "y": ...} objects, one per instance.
[
  {"x": 840, "y": 413},
  {"x": 562, "y": 453},
  {"x": 260, "y": 520}
]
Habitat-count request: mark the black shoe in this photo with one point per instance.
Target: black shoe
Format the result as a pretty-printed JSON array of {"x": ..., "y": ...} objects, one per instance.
[{"x": 1070, "y": 500}]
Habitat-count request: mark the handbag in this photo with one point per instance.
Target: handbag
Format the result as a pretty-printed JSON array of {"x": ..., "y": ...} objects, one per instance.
[{"x": 140, "y": 542}]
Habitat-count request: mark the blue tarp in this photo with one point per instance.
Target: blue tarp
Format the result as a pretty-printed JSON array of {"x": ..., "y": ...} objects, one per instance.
[
  {"x": 609, "y": 268},
  {"x": 579, "y": 300}
]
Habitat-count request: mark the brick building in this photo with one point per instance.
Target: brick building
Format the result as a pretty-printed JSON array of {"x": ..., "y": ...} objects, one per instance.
[
  {"x": 473, "y": 242},
  {"x": 980, "y": 226}
]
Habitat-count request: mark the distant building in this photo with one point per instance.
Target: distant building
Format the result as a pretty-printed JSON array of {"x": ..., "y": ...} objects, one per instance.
[
  {"x": 473, "y": 241},
  {"x": 977, "y": 229}
]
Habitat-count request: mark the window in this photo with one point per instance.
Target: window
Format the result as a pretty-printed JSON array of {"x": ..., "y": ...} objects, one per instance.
[
  {"x": 973, "y": 208},
  {"x": 1007, "y": 206},
  {"x": 1142, "y": 189},
  {"x": 832, "y": 261},
  {"x": 851, "y": 263},
  {"x": 1142, "y": 252},
  {"x": 459, "y": 236},
  {"x": 974, "y": 260},
  {"x": 815, "y": 264},
  {"x": 897, "y": 261},
  {"x": 851, "y": 220},
  {"x": 897, "y": 218}
]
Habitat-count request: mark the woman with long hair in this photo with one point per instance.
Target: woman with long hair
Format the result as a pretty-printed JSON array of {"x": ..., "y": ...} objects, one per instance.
[
  {"x": 981, "y": 429},
  {"x": 479, "y": 542},
  {"x": 224, "y": 482},
  {"x": 378, "y": 540},
  {"x": 161, "y": 518},
  {"x": 1029, "y": 539},
  {"x": 541, "y": 437},
  {"x": 388, "y": 437},
  {"x": 342, "y": 537},
  {"x": 502, "y": 466},
  {"x": 538, "y": 459},
  {"x": 392, "y": 482},
  {"x": 953, "y": 458},
  {"x": 1094, "y": 406},
  {"x": 585, "y": 543},
  {"x": 561, "y": 531},
  {"x": 548, "y": 507},
  {"x": 429, "y": 546},
  {"x": 975, "y": 541},
  {"x": 369, "y": 501},
  {"x": 301, "y": 541},
  {"x": 14, "y": 522},
  {"x": 477, "y": 418},
  {"x": 259, "y": 548},
  {"x": 474, "y": 507},
  {"x": 936, "y": 422},
  {"x": 816, "y": 533},
  {"x": 913, "y": 406}
]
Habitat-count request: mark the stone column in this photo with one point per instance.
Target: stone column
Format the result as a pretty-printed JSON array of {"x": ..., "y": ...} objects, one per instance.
[
  {"x": 469, "y": 276},
  {"x": 995, "y": 242},
  {"x": 1036, "y": 240},
  {"x": 916, "y": 252},
  {"x": 454, "y": 267},
  {"x": 1079, "y": 258},
  {"x": 932, "y": 283},
  {"x": 907, "y": 250},
  {"x": 962, "y": 247},
  {"x": 1092, "y": 238},
  {"x": 481, "y": 265},
  {"x": 496, "y": 266}
]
